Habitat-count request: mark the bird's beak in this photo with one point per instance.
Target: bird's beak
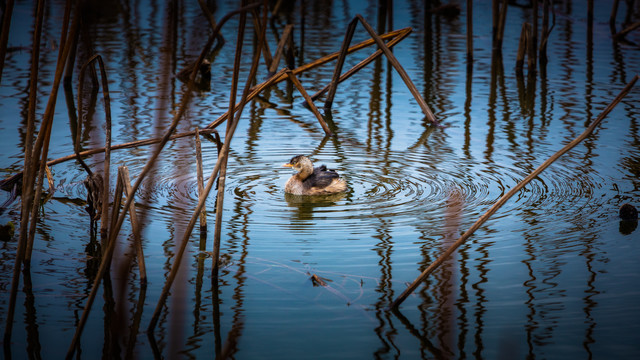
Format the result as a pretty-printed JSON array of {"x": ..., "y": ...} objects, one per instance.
[{"x": 287, "y": 165}]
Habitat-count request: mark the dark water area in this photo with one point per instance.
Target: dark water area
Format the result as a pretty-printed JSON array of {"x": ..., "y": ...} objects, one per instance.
[{"x": 554, "y": 274}]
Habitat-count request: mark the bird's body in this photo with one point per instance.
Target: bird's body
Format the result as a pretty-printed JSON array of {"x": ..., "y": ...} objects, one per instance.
[{"x": 313, "y": 181}]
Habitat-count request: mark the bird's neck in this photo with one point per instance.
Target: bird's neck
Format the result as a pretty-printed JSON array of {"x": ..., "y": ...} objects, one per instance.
[{"x": 305, "y": 172}]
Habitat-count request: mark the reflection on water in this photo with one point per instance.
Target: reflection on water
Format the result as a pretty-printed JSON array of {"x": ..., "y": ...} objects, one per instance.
[{"x": 550, "y": 275}]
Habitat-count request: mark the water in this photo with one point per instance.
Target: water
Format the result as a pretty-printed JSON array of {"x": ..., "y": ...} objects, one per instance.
[{"x": 553, "y": 274}]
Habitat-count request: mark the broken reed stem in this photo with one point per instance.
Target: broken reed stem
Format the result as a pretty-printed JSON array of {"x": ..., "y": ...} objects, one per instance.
[
  {"x": 29, "y": 168},
  {"x": 312, "y": 106},
  {"x": 225, "y": 150},
  {"x": 287, "y": 35},
  {"x": 333, "y": 85},
  {"x": 509, "y": 194},
  {"x": 150, "y": 163},
  {"x": 502, "y": 19},
  {"x": 123, "y": 175},
  {"x": 266, "y": 53},
  {"x": 210, "y": 19},
  {"x": 4, "y": 34},
  {"x": 115, "y": 210},
  {"x": 495, "y": 14},
  {"x": 612, "y": 17},
  {"x": 347, "y": 74},
  {"x": 533, "y": 40},
  {"x": 403, "y": 74},
  {"x": 542, "y": 53},
  {"x": 107, "y": 153},
  {"x": 200, "y": 175},
  {"x": 523, "y": 45}
]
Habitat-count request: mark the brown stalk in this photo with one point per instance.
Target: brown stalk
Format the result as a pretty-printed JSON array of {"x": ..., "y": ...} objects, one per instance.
[
  {"x": 307, "y": 98},
  {"x": 533, "y": 40},
  {"x": 266, "y": 52},
  {"x": 523, "y": 45},
  {"x": 211, "y": 20},
  {"x": 509, "y": 194},
  {"x": 612, "y": 18},
  {"x": 333, "y": 87},
  {"x": 123, "y": 174},
  {"x": 546, "y": 31},
  {"x": 497, "y": 45},
  {"x": 287, "y": 35},
  {"x": 203, "y": 213},
  {"x": 4, "y": 34}
]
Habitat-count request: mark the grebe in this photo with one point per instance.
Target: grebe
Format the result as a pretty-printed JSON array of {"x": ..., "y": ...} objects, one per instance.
[{"x": 312, "y": 181}]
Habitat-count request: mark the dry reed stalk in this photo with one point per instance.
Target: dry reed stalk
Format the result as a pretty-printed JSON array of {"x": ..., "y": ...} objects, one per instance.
[
  {"x": 333, "y": 87},
  {"x": 589, "y": 21},
  {"x": 470, "y": 32},
  {"x": 495, "y": 14},
  {"x": 266, "y": 52},
  {"x": 546, "y": 31},
  {"x": 621, "y": 34},
  {"x": 533, "y": 43},
  {"x": 502, "y": 19},
  {"x": 210, "y": 19},
  {"x": 285, "y": 40},
  {"x": 612, "y": 17},
  {"x": 123, "y": 175},
  {"x": 115, "y": 211},
  {"x": 4, "y": 34},
  {"x": 512, "y": 192},
  {"x": 150, "y": 163},
  {"x": 523, "y": 45},
  {"x": 347, "y": 74},
  {"x": 201, "y": 200},
  {"x": 403, "y": 74},
  {"x": 312, "y": 106},
  {"x": 200, "y": 176}
]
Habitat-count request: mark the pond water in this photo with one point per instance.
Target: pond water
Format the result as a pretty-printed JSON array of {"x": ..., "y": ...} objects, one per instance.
[{"x": 553, "y": 274}]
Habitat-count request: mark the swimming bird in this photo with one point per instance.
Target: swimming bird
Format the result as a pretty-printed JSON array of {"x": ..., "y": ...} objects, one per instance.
[{"x": 312, "y": 181}]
